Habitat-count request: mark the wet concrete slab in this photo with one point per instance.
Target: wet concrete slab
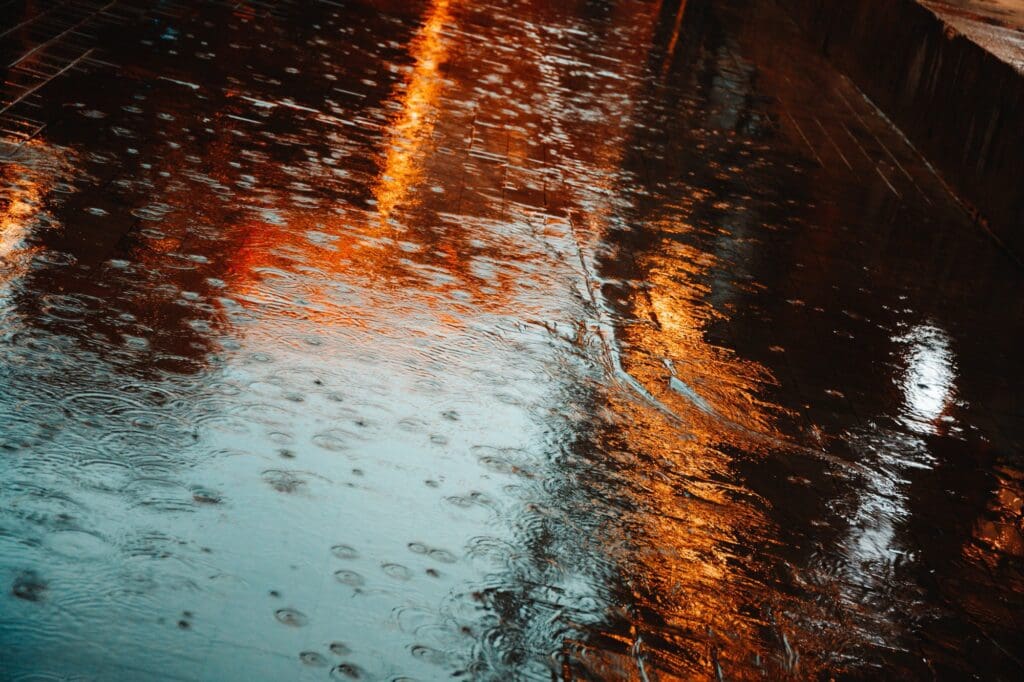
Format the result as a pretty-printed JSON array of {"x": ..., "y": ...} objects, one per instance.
[
  {"x": 388, "y": 340},
  {"x": 950, "y": 74}
]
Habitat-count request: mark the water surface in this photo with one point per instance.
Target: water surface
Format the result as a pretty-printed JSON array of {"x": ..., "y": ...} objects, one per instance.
[{"x": 490, "y": 340}]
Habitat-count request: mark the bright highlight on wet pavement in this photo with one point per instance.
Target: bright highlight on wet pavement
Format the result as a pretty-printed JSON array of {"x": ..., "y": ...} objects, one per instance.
[{"x": 491, "y": 340}]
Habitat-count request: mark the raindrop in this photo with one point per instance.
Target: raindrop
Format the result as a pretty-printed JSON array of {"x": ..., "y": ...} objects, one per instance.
[
  {"x": 331, "y": 440},
  {"x": 77, "y": 544},
  {"x": 442, "y": 555},
  {"x": 427, "y": 654},
  {"x": 344, "y": 552},
  {"x": 313, "y": 658},
  {"x": 283, "y": 481},
  {"x": 28, "y": 586},
  {"x": 350, "y": 578},
  {"x": 204, "y": 496},
  {"x": 292, "y": 617},
  {"x": 346, "y": 671},
  {"x": 397, "y": 571}
]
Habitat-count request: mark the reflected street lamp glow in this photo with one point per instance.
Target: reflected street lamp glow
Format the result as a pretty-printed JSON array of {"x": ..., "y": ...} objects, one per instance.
[{"x": 929, "y": 380}]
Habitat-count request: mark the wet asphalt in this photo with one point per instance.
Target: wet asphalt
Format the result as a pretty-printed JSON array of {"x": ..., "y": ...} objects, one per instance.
[{"x": 492, "y": 340}]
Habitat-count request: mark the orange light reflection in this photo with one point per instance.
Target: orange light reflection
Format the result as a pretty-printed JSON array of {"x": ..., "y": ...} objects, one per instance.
[{"x": 417, "y": 114}]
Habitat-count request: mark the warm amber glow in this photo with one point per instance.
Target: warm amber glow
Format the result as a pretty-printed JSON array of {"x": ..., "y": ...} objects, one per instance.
[
  {"x": 999, "y": 530},
  {"x": 676, "y": 28},
  {"x": 414, "y": 125},
  {"x": 689, "y": 566},
  {"x": 27, "y": 183},
  {"x": 15, "y": 212}
]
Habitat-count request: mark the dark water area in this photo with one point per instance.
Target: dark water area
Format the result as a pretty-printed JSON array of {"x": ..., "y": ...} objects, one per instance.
[{"x": 498, "y": 340}]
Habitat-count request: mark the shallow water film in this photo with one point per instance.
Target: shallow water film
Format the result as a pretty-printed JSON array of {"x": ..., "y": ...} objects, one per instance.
[{"x": 489, "y": 340}]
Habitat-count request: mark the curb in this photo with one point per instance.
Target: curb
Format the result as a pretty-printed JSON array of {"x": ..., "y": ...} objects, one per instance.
[{"x": 958, "y": 103}]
